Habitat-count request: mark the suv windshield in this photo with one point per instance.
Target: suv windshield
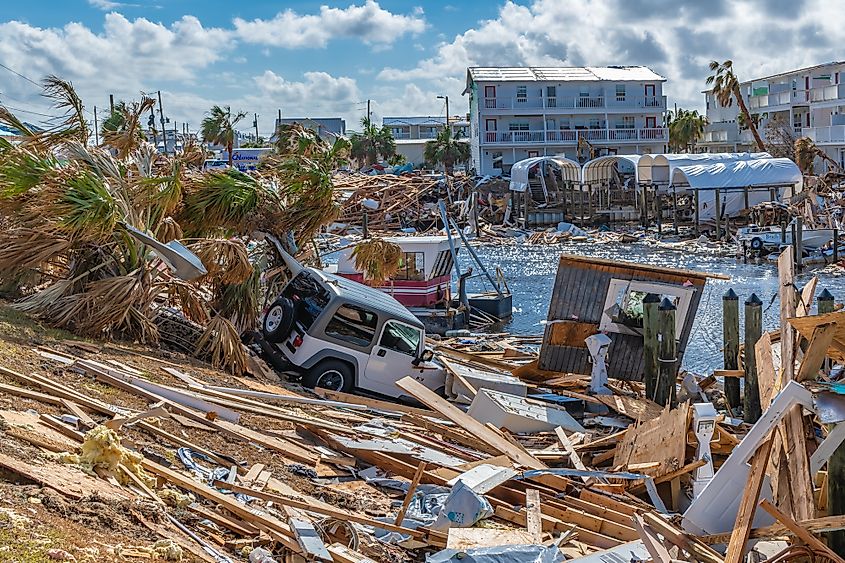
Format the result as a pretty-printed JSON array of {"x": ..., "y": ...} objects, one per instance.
[{"x": 309, "y": 298}]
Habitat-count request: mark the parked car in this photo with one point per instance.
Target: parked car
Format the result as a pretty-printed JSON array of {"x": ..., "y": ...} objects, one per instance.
[
  {"x": 215, "y": 164},
  {"x": 342, "y": 335}
]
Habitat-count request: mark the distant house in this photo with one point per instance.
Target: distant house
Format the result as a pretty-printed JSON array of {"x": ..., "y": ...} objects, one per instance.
[
  {"x": 412, "y": 133},
  {"x": 328, "y": 128},
  {"x": 14, "y": 135},
  {"x": 807, "y": 102},
  {"x": 579, "y": 112}
]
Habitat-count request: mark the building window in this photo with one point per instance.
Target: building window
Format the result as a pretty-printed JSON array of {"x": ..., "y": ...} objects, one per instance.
[
  {"x": 564, "y": 124},
  {"x": 521, "y": 93},
  {"x": 620, "y": 92},
  {"x": 353, "y": 324},
  {"x": 498, "y": 160},
  {"x": 518, "y": 126},
  {"x": 533, "y": 154},
  {"x": 595, "y": 123}
]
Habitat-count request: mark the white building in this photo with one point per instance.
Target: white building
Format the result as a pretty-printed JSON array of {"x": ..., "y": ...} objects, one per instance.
[
  {"x": 579, "y": 112},
  {"x": 412, "y": 133},
  {"x": 808, "y": 102}
]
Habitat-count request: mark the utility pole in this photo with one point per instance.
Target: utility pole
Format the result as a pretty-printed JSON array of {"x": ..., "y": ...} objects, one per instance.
[
  {"x": 151, "y": 123},
  {"x": 447, "y": 112},
  {"x": 96, "y": 129},
  {"x": 368, "y": 111},
  {"x": 161, "y": 116},
  {"x": 255, "y": 123},
  {"x": 111, "y": 104}
]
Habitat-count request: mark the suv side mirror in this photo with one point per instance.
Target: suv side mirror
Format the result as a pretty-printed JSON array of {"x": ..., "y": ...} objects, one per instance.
[{"x": 427, "y": 355}]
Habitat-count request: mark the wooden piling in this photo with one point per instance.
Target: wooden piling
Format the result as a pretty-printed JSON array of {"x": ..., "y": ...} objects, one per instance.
[
  {"x": 836, "y": 463},
  {"x": 365, "y": 222},
  {"x": 753, "y": 332},
  {"x": 697, "y": 222},
  {"x": 730, "y": 346},
  {"x": 799, "y": 243},
  {"x": 658, "y": 213},
  {"x": 783, "y": 233},
  {"x": 835, "y": 245},
  {"x": 718, "y": 216},
  {"x": 667, "y": 354},
  {"x": 651, "y": 302},
  {"x": 745, "y": 196}
]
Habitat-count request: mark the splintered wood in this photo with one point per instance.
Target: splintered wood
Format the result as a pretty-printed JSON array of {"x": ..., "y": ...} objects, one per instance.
[{"x": 662, "y": 439}]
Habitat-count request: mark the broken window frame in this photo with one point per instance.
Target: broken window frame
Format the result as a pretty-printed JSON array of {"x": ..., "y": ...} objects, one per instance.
[{"x": 680, "y": 296}]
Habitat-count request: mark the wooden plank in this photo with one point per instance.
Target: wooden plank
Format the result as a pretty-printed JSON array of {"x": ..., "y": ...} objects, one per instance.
[
  {"x": 83, "y": 417},
  {"x": 588, "y": 537},
  {"x": 480, "y": 431},
  {"x": 400, "y": 516},
  {"x": 344, "y": 554},
  {"x": 468, "y": 538},
  {"x": 533, "y": 516},
  {"x": 660, "y": 272},
  {"x": 588, "y": 521},
  {"x": 661, "y": 439},
  {"x": 806, "y": 301},
  {"x": 800, "y": 532},
  {"x": 571, "y": 333},
  {"x": 653, "y": 544},
  {"x": 571, "y": 454},
  {"x": 372, "y": 403},
  {"x": 637, "y": 409},
  {"x": 318, "y": 509},
  {"x": 816, "y": 352},
  {"x": 455, "y": 434},
  {"x": 766, "y": 376},
  {"x": 815, "y": 526},
  {"x": 236, "y": 525},
  {"x": 748, "y": 504},
  {"x": 261, "y": 520},
  {"x": 690, "y": 544}
]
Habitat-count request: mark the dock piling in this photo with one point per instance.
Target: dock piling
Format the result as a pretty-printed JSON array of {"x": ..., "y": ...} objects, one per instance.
[
  {"x": 718, "y": 216},
  {"x": 799, "y": 243},
  {"x": 651, "y": 302},
  {"x": 667, "y": 359},
  {"x": 730, "y": 347},
  {"x": 753, "y": 332},
  {"x": 836, "y": 463},
  {"x": 835, "y": 245}
]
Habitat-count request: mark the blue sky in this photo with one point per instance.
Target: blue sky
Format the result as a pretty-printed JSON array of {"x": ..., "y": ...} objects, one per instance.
[{"x": 315, "y": 59}]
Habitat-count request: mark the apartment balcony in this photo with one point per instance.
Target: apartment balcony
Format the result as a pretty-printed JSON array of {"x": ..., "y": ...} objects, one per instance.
[
  {"x": 571, "y": 136},
  {"x": 428, "y": 135},
  {"x": 828, "y": 93},
  {"x": 777, "y": 99},
  {"x": 565, "y": 103},
  {"x": 833, "y": 135},
  {"x": 405, "y": 135},
  {"x": 723, "y": 136}
]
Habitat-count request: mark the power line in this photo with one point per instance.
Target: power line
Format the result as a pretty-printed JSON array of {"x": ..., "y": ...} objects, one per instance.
[{"x": 21, "y": 75}]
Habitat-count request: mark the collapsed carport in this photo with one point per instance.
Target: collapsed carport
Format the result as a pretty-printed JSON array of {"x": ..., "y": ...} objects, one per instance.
[
  {"x": 612, "y": 182},
  {"x": 723, "y": 190},
  {"x": 544, "y": 188}
]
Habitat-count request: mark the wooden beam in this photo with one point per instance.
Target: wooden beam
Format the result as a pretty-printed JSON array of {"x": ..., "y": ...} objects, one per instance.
[
  {"x": 410, "y": 494},
  {"x": 748, "y": 504},
  {"x": 802, "y": 534},
  {"x": 816, "y": 352},
  {"x": 533, "y": 515},
  {"x": 459, "y": 417}
]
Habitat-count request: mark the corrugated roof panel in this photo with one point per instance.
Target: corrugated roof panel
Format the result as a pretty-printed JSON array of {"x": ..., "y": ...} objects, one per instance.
[{"x": 563, "y": 74}]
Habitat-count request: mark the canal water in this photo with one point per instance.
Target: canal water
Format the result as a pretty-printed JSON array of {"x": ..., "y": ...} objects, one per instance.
[{"x": 530, "y": 271}]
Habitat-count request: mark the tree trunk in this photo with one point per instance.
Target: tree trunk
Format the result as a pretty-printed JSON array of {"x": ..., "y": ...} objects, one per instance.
[
  {"x": 230, "y": 148},
  {"x": 751, "y": 125}
]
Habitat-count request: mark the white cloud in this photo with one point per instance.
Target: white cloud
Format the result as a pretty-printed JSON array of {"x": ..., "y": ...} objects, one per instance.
[
  {"x": 368, "y": 22},
  {"x": 319, "y": 95},
  {"x": 109, "y": 5},
  {"x": 674, "y": 38}
]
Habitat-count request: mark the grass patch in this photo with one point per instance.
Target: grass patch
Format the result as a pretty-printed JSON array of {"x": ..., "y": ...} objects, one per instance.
[
  {"x": 17, "y": 325},
  {"x": 20, "y": 545}
]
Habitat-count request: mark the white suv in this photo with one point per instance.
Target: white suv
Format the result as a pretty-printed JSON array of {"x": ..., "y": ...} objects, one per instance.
[{"x": 343, "y": 335}]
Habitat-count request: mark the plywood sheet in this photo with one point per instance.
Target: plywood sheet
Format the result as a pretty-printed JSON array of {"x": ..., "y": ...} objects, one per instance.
[
  {"x": 571, "y": 333},
  {"x": 662, "y": 439}
]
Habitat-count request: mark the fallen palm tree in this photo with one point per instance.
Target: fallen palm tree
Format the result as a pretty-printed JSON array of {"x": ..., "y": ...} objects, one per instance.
[{"x": 71, "y": 214}]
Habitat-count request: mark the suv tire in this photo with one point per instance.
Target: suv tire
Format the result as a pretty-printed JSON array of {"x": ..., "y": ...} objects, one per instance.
[
  {"x": 278, "y": 321},
  {"x": 335, "y": 375}
]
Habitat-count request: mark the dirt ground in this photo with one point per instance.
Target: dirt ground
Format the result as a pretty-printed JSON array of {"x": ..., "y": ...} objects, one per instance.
[{"x": 40, "y": 524}]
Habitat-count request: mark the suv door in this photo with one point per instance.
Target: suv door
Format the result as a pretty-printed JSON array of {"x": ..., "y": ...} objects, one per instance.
[{"x": 391, "y": 358}]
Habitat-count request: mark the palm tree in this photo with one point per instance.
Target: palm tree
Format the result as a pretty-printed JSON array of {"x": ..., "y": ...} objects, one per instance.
[
  {"x": 372, "y": 142},
  {"x": 685, "y": 129},
  {"x": 122, "y": 130},
  {"x": 806, "y": 152},
  {"x": 218, "y": 127},
  {"x": 725, "y": 87},
  {"x": 447, "y": 150}
]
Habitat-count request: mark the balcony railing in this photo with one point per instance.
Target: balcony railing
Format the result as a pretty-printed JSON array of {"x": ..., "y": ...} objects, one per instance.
[
  {"x": 571, "y": 136},
  {"x": 830, "y": 134},
  {"x": 828, "y": 93},
  {"x": 575, "y": 102}
]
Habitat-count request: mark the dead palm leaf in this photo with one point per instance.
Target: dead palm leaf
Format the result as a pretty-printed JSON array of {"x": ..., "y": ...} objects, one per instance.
[
  {"x": 221, "y": 343},
  {"x": 378, "y": 259},
  {"x": 168, "y": 230},
  {"x": 225, "y": 259}
]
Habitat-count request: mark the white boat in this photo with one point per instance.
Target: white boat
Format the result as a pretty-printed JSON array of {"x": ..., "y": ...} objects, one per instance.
[{"x": 759, "y": 238}]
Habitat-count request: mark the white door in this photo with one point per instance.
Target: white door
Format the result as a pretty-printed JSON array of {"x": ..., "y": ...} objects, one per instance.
[{"x": 391, "y": 358}]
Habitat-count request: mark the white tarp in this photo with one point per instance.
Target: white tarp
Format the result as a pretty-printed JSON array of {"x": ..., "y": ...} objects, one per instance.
[
  {"x": 570, "y": 170},
  {"x": 659, "y": 168},
  {"x": 779, "y": 173}
]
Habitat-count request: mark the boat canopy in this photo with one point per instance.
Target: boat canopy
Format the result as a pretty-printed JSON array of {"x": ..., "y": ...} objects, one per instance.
[
  {"x": 601, "y": 169},
  {"x": 570, "y": 170},
  {"x": 742, "y": 184},
  {"x": 658, "y": 169}
]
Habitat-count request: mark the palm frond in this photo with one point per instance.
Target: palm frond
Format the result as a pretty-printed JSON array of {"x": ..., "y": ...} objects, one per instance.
[
  {"x": 219, "y": 200},
  {"x": 378, "y": 259},
  {"x": 225, "y": 259},
  {"x": 64, "y": 97},
  {"x": 221, "y": 343}
]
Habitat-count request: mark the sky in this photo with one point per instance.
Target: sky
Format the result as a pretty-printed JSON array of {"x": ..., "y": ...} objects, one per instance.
[{"x": 311, "y": 59}]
